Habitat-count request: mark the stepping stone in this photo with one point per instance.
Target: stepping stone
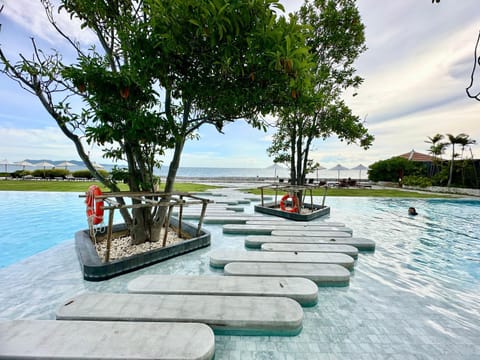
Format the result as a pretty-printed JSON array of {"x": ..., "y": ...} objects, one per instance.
[
  {"x": 48, "y": 339},
  {"x": 264, "y": 221},
  {"x": 232, "y": 315},
  {"x": 344, "y": 249},
  {"x": 219, "y": 258},
  {"x": 321, "y": 274},
  {"x": 361, "y": 244},
  {"x": 269, "y": 229},
  {"x": 312, "y": 233},
  {"x": 303, "y": 291}
]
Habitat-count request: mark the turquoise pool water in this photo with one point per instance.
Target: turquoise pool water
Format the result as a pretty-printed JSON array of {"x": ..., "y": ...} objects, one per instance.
[{"x": 415, "y": 297}]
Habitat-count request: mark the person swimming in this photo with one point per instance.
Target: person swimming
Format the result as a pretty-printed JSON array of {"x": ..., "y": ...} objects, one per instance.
[{"x": 412, "y": 211}]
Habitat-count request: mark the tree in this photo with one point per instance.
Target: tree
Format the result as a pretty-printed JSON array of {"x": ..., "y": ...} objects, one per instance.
[
  {"x": 159, "y": 71},
  {"x": 437, "y": 149},
  {"x": 461, "y": 139},
  {"x": 335, "y": 38}
]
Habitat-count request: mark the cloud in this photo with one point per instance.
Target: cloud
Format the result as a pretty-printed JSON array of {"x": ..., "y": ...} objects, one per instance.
[
  {"x": 30, "y": 15},
  {"x": 46, "y": 143}
]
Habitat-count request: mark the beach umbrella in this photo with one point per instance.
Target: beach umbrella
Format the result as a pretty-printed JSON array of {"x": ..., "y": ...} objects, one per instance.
[
  {"x": 320, "y": 167},
  {"x": 5, "y": 163},
  {"x": 23, "y": 164},
  {"x": 65, "y": 164},
  {"x": 45, "y": 164},
  {"x": 339, "y": 167},
  {"x": 359, "y": 168},
  {"x": 97, "y": 166}
]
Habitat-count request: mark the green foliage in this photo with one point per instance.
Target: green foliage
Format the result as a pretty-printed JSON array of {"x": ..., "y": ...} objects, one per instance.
[
  {"x": 392, "y": 169},
  {"x": 50, "y": 173},
  {"x": 335, "y": 38},
  {"x": 419, "y": 181},
  {"x": 20, "y": 173},
  {"x": 82, "y": 174}
]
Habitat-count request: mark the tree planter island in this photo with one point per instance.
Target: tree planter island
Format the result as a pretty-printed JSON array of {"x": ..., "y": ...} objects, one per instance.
[
  {"x": 290, "y": 206},
  {"x": 97, "y": 265}
]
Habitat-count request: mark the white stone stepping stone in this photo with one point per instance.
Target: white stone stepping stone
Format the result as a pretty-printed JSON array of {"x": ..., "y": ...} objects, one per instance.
[
  {"x": 268, "y": 229},
  {"x": 221, "y": 257},
  {"x": 303, "y": 291},
  {"x": 344, "y": 249},
  {"x": 313, "y": 233},
  {"x": 321, "y": 274},
  {"x": 263, "y": 221},
  {"x": 49, "y": 339},
  {"x": 364, "y": 244},
  {"x": 234, "y": 315}
]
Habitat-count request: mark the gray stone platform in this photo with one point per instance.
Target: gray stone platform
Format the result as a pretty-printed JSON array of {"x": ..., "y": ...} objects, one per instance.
[
  {"x": 219, "y": 258},
  {"x": 280, "y": 221},
  {"x": 321, "y": 274},
  {"x": 361, "y": 244},
  {"x": 303, "y": 291},
  {"x": 313, "y": 233},
  {"x": 268, "y": 229},
  {"x": 322, "y": 248},
  {"x": 233, "y": 315},
  {"x": 49, "y": 339}
]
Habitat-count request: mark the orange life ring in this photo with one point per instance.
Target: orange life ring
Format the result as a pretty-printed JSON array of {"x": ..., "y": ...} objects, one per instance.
[
  {"x": 294, "y": 207},
  {"x": 94, "y": 206}
]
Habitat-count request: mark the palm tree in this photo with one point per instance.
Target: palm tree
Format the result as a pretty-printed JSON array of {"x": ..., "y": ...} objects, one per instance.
[
  {"x": 464, "y": 142},
  {"x": 459, "y": 139},
  {"x": 436, "y": 149}
]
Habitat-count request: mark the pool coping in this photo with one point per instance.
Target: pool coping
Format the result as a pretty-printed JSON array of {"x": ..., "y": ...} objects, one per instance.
[{"x": 94, "y": 269}]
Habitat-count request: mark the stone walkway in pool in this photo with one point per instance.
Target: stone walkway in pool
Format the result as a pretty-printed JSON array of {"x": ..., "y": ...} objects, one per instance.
[{"x": 368, "y": 319}]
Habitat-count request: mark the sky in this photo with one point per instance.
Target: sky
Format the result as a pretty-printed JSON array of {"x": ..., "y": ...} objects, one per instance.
[{"x": 418, "y": 63}]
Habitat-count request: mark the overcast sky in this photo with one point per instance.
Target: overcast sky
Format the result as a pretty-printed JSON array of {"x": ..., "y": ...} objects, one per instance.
[{"x": 417, "y": 66}]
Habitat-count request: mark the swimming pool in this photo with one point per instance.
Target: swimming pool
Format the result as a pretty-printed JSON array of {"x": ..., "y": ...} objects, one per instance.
[{"x": 415, "y": 297}]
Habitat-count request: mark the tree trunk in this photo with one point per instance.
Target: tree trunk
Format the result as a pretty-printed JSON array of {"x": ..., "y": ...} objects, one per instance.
[{"x": 451, "y": 166}]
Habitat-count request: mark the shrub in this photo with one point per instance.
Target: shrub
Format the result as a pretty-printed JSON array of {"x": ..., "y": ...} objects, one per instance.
[
  {"x": 393, "y": 168},
  {"x": 82, "y": 174},
  {"x": 50, "y": 173},
  {"x": 21, "y": 173},
  {"x": 420, "y": 181}
]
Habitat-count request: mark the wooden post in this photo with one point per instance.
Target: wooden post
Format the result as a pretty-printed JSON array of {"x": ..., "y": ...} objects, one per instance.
[
  {"x": 324, "y": 195},
  {"x": 180, "y": 215},
  {"x": 311, "y": 199},
  {"x": 109, "y": 235},
  {"x": 261, "y": 192},
  {"x": 167, "y": 225},
  {"x": 202, "y": 215}
]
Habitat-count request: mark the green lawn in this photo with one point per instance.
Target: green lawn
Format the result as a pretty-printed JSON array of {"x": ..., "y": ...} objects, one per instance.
[
  {"x": 364, "y": 193},
  {"x": 81, "y": 186}
]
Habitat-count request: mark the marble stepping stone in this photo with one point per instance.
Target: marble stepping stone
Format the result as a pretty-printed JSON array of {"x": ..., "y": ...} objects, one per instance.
[
  {"x": 48, "y": 339},
  {"x": 321, "y": 274},
  {"x": 361, "y": 244},
  {"x": 219, "y": 258},
  {"x": 312, "y": 233},
  {"x": 344, "y": 249},
  {"x": 269, "y": 229},
  {"x": 233, "y": 315},
  {"x": 303, "y": 291},
  {"x": 263, "y": 221}
]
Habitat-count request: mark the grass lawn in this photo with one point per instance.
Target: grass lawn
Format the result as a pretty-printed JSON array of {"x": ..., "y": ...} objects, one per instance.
[
  {"x": 81, "y": 186},
  {"x": 390, "y": 193}
]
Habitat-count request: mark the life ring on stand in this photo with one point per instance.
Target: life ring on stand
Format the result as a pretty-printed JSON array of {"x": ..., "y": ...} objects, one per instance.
[
  {"x": 294, "y": 207},
  {"x": 94, "y": 206}
]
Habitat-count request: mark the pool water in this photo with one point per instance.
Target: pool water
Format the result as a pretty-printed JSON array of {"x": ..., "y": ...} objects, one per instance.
[{"x": 415, "y": 297}]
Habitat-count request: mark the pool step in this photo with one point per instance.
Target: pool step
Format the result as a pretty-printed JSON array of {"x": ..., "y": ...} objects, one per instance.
[
  {"x": 233, "y": 315},
  {"x": 344, "y": 249},
  {"x": 49, "y": 339},
  {"x": 362, "y": 244},
  {"x": 219, "y": 258},
  {"x": 312, "y": 233},
  {"x": 321, "y": 274},
  {"x": 268, "y": 229},
  {"x": 303, "y": 291},
  {"x": 280, "y": 221}
]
